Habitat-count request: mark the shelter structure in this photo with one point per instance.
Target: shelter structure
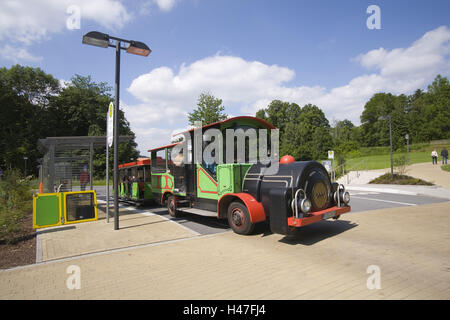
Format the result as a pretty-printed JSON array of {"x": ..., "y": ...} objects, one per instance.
[{"x": 67, "y": 164}]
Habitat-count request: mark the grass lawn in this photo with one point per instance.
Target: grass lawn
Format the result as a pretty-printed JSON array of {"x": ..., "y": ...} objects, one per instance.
[
  {"x": 384, "y": 160},
  {"x": 446, "y": 167},
  {"x": 379, "y": 157},
  {"x": 76, "y": 183}
]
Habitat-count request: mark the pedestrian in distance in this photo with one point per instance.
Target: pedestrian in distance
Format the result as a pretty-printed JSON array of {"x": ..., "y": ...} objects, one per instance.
[
  {"x": 434, "y": 156},
  {"x": 84, "y": 178},
  {"x": 444, "y": 154}
]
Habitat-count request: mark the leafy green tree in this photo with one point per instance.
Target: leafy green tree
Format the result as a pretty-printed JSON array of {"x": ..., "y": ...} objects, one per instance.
[
  {"x": 280, "y": 113},
  {"x": 34, "y": 106},
  {"x": 209, "y": 110},
  {"x": 304, "y": 132},
  {"x": 25, "y": 95},
  {"x": 80, "y": 110},
  {"x": 429, "y": 112},
  {"x": 32, "y": 83},
  {"x": 375, "y": 132}
]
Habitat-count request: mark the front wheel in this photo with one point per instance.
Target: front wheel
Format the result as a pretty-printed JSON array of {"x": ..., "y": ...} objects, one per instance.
[{"x": 239, "y": 218}]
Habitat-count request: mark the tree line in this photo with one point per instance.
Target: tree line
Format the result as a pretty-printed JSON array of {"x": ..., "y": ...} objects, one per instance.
[
  {"x": 35, "y": 105},
  {"x": 306, "y": 133}
]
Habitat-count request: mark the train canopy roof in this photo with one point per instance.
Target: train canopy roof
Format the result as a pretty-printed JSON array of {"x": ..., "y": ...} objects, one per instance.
[{"x": 139, "y": 162}]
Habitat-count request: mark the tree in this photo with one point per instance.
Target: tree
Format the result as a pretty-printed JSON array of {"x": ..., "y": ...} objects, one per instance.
[
  {"x": 25, "y": 96},
  {"x": 80, "y": 110},
  {"x": 16, "y": 128},
  {"x": 209, "y": 110},
  {"x": 375, "y": 132},
  {"x": 34, "y": 106},
  {"x": 304, "y": 132},
  {"x": 280, "y": 113},
  {"x": 429, "y": 112}
]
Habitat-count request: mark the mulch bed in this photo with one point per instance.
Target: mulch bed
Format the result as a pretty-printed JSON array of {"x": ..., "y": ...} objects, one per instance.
[
  {"x": 400, "y": 179},
  {"x": 23, "y": 250}
]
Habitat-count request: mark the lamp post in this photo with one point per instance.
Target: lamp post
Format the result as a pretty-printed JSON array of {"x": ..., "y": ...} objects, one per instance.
[
  {"x": 390, "y": 140},
  {"x": 407, "y": 146},
  {"x": 103, "y": 40},
  {"x": 25, "y": 168}
]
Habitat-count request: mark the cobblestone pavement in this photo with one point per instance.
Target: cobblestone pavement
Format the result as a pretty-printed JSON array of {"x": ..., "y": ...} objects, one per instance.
[{"x": 328, "y": 260}]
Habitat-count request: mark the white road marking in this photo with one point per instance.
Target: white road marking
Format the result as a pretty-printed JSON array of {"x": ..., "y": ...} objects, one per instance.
[
  {"x": 389, "y": 201},
  {"x": 363, "y": 193}
]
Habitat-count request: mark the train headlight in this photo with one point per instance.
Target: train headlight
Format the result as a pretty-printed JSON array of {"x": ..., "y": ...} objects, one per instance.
[
  {"x": 346, "y": 197},
  {"x": 341, "y": 196},
  {"x": 305, "y": 205}
]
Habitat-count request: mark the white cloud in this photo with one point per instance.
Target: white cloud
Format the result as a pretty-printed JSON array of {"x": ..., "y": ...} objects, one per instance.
[
  {"x": 165, "y": 5},
  {"x": 426, "y": 56},
  {"x": 16, "y": 54},
  {"x": 167, "y": 95},
  {"x": 28, "y": 21}
]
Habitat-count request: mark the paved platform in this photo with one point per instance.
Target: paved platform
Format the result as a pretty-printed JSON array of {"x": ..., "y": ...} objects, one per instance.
[
  {"x": 327, "y": 260},
  {"x": 89, "y": 237},
  {"x": 431, "y": 173}
]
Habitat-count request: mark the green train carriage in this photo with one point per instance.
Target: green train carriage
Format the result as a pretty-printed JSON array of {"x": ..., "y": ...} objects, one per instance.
[{"x": 135, "y": 181}]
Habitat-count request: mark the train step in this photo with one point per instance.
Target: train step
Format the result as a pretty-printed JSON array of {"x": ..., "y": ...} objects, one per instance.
[{"x": 199, "y": 212}]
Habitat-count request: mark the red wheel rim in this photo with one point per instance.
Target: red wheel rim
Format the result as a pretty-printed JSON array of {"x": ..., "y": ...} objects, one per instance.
[
  {"x": 171, "y": 206},
  {"x": 238, "y": 218}
]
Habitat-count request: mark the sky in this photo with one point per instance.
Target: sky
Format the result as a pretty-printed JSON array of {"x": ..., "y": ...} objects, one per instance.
[{"x": 334, "y": 54}]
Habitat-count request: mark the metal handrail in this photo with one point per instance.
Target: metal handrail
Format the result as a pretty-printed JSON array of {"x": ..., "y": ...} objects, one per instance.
[{"x": 352, "y": 168}]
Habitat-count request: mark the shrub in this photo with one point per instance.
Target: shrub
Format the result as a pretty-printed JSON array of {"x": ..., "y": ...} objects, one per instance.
[
  {"x": 400, "y": 164},
  {"x": 15, "y": 203},
  {"x": 400, "y": 179}
]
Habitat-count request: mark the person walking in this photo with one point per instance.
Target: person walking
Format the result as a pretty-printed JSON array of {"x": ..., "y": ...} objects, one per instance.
[
  {"x": 444, "y": 154},
  {"x": 434, "y": 156},
  {"x": 84, "y": 178}
]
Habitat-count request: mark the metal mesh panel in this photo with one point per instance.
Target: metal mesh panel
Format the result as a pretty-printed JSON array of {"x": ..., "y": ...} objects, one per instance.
[
  {"x": 67, "y": 162},
  {"x": 72, "y": 168},
  {"x": 66, "y": 167},
  {"x": 80, "y": 206}
]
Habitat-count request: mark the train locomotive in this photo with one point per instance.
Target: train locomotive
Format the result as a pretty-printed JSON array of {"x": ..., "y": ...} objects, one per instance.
[{"x": 298, "y": 194}]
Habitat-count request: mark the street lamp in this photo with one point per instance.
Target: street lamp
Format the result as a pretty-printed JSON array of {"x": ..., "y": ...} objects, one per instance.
[
  {"x": 407, "y": 145},
  {"x": 388, "y": 117},
  {"x": 104, "y": 40}
]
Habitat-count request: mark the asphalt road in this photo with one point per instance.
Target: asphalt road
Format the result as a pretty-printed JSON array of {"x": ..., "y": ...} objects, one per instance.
[
  {"x": 359, "y": 201},
  {"x": 365, "y": 201}
]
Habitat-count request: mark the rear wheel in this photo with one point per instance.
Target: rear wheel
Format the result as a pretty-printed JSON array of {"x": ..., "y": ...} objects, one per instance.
[
  {"x": 172, "y": 206},
  {"x": 239, "y": 218}
]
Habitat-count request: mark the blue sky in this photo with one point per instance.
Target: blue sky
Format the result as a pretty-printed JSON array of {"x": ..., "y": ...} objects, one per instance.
[{"x": 246, "y": 52}]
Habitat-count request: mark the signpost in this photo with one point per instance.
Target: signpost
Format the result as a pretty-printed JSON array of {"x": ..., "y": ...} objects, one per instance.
[
  {"x": 331, "y": 157},
  {"x": 109, "y": 142}
]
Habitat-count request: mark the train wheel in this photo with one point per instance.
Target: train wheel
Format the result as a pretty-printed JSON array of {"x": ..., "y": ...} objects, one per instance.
[
  {"x": 172, "y": 206},
  {"x": 239, "y": 218}
]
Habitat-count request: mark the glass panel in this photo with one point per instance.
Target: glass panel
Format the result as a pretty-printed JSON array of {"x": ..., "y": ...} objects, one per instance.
[
  {"x": 80, "y": 206},
  {"x": 159, "y": 161}
]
